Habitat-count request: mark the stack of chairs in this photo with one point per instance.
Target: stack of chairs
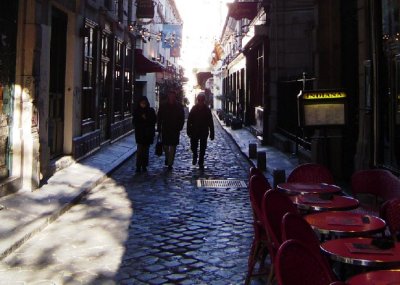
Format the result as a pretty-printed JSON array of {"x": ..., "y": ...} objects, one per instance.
[{"x": 258, "y": 186}]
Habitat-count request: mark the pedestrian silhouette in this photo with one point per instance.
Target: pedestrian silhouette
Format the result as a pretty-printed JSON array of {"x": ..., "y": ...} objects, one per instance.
[
  {"x": 144, "y": 119},
  {"x": 200, "y": 125},
  {"x": 171, "y": 119}
]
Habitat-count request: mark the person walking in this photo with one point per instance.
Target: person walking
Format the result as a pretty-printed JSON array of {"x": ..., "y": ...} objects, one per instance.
[
  {"x": 200, "y": 125},
  {"x": 144, "y": 119},
  {"x": 171, "y": 118}
]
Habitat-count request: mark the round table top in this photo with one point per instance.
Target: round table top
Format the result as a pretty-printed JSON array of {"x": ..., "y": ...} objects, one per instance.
[
  {"x": 313, "y": 202},
  {"x": 304, "y": 188},
  {"x": 342, "y": 223},
  {"x": 379, "y": 277},
  {"x": 352, "y": 251}
]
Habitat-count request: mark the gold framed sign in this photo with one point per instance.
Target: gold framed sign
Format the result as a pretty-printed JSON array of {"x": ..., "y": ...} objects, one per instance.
[{"x": 321, "y": 108}]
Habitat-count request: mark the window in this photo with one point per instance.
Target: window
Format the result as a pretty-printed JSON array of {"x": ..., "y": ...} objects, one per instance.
[
  {"x": 88, "y": 73},
  {"x": 104, "y": 74},
  {"x": 118, "y": 80}
]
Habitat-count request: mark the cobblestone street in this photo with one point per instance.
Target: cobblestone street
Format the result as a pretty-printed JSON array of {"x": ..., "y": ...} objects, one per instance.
[{"x": 156, "y": 227}]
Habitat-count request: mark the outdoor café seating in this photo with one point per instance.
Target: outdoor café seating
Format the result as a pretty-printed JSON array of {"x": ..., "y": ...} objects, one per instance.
[
  {"x": 390, "y": 212},
  {"x": 297, "y": 264},
  {"x": 258, "y": 186},
  {"x": 275, "y": 205},
  {"x": 373, "y": 187},
  {"x": 369, "y": 253},
  {"x": 376, "y": 277},
  {"x": 296, "y": 227},
  {"x": 310, "y": 173},
  {"x": 254, "y": 170}
]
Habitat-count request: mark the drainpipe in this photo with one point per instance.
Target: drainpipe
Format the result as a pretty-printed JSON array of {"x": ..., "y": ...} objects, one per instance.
[{"x": 376, "y": 63}]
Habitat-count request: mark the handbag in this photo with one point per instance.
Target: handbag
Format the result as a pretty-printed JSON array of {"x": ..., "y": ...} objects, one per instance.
[{"x": 158, "y": 148}]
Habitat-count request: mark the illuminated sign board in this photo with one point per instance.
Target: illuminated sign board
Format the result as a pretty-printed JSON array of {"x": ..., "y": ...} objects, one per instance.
[
  {"x": 323, "y": 95},
  {"x": 322, "y": 108}
]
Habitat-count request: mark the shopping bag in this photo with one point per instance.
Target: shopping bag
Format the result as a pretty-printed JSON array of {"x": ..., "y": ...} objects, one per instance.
[{"x": 158, "y": 148}]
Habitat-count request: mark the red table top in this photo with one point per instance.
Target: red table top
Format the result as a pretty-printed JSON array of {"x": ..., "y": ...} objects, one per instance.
[
  {"x": 379, "y": 277},
  {"x": 343, "y": 250},
  {"x": 304, "y": 188},
  {"x": 315, "y": 203},
  {"x": 345, "y": 223}
]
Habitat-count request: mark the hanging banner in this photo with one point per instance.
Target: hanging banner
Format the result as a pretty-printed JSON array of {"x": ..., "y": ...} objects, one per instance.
[
  {"x": 144, "y": 9},
  {"x": 175, "y": 51},
  {"x": 171, "y": 36},
  {"x": 217, "y": 54}
]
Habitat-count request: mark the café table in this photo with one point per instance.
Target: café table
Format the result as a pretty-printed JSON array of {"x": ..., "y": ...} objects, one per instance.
[
  {"x": 359, "y": 251},
  {"x": 307, "y": 188},
  {"x": 342, "y": 223},
  {"x": 378, "y": 277},
  {"x": 315, "y": 202}
]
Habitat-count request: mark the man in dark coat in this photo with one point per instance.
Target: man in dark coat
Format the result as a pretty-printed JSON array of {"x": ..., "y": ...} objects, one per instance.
[
  {"x": 144, "y": 119},
  {"x": 199, "y": 125},
  {"x": 171, "y": 118}
]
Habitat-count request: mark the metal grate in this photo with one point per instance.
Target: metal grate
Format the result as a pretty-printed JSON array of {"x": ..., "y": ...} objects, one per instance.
[{"x": 230, "y": 183}]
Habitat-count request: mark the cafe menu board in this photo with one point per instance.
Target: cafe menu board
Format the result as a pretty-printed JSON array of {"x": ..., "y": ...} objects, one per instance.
[{"x": 322, "y": 108}]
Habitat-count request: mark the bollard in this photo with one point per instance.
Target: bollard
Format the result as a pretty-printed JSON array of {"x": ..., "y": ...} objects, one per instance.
[
  {"x": 262, "y": 160},
  {"x": 279, "y": 176},
  {"x": 252, "y": 150}
]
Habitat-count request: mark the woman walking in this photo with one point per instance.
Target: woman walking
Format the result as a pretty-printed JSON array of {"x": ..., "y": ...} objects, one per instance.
[
  {"x": 144, "y": 118},
  {"x": 200, "y": 125},
  {"x": 171, "y": 118}
]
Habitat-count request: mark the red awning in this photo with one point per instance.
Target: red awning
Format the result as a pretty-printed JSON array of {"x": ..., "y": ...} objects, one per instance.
[
  {"x": 240, "y": 10},
  {"x": 145, "y": 65},
  {"x": 202, "y": 78}
]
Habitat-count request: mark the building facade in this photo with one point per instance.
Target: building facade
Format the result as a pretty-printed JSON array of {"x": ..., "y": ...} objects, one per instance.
[
  {"x": 276, "y": 49},
  {"x": 70, "y": 73}
]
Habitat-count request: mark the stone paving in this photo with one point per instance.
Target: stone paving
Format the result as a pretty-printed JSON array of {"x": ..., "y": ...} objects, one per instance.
[
  {"x": 156, "y": 227},
  {"x": 183, "y": 234}
]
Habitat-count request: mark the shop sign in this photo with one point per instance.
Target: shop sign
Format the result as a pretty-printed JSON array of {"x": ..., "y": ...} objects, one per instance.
[
  {"x": 145, "y": 9},
  {"x": 322, "y": 108}
]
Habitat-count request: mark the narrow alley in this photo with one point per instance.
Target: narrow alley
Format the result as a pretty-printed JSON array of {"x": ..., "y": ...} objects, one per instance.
[{"x": 156, "y": 227}]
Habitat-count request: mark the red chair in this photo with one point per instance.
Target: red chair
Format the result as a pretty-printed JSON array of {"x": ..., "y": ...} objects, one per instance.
[
  {"x": 390, "y": 212},
  {"x": 296, "y": 264},
  {"x": 295, "y": 227},
  {"x": 254, "y": 170},
  {"x": 275, "y": 205},
  {"x": 380, "y": 184},
  {"x": 258, "y": 186},
  {"x": 310, "y": 173}
]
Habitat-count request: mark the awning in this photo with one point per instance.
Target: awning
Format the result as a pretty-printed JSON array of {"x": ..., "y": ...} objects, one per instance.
[
  {"x": 202, "y": 78},
  {"x": 145, "y": 65},
  {"x": 240, "y": 10}
]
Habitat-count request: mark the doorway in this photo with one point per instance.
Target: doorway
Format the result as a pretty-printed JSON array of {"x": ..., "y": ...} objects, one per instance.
[
  {"x": 8, "y": 47},
  {"x": 57, "y": 82}
]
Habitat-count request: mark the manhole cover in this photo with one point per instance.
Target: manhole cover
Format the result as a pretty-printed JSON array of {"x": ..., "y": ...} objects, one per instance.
[{"x": 205, "y": 183}]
